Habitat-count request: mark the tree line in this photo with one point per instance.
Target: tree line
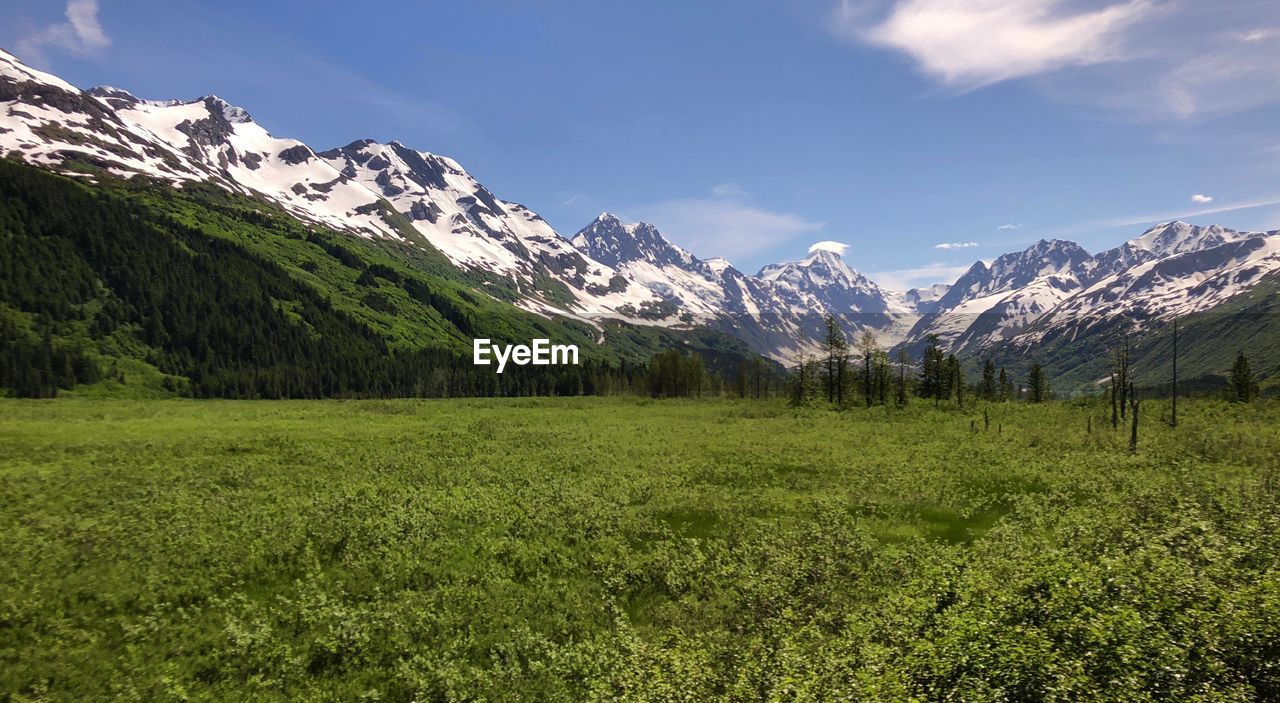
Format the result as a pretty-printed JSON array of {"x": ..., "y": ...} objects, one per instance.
[{"x": 846, "y": 374}]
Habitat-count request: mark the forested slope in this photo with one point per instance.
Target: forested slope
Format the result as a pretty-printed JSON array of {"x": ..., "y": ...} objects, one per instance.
[{"x": 196, "y": 291}]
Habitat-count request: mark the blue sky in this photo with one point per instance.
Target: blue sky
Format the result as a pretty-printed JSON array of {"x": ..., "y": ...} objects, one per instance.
[{"x": 752, "y": 129}]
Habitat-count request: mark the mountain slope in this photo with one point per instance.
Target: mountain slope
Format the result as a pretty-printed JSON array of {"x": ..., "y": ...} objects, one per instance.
[
  {"x": 427, "y": 212},
  {"x": 378, "y": 191},
  {"x": 136, "y": 287},
  {"x": 1054, "y": 300},
  {"x": 779, "y": 312}
]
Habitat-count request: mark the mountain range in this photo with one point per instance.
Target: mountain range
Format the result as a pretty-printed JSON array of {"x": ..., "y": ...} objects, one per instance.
[{"x": 1054, "y": 294}]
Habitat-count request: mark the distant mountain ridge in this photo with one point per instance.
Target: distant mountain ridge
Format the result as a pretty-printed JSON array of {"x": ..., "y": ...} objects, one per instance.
[{"x": 614, "y": 270}]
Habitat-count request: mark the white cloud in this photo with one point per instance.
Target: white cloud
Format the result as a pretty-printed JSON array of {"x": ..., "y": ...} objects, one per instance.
[
  {"x": 80, "y": 34},
  {"x": 837, "y": 248},
  {"x": 728, "y": 190},
  {"x": 1146, "y": 60},
  {"x": 1201, "y": 199},
  {"x": 725, "y": 224},
  {"x": 1257, "y": 35},
  {"x": 904, "y": 279},
  {"x": 1010, "y": 226},
  {"x": 967, "y": 44},
  {"x": 1221, "y": 78},
  {"x": 955, "y": 245}
]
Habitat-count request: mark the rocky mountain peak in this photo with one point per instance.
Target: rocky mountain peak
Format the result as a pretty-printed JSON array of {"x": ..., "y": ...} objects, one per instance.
[{"x": 608, "y": 240}]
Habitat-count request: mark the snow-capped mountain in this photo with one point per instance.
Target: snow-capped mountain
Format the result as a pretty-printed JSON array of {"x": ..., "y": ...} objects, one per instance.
[
  {"x": 368, "y": 189},
  {"x": 825, "y": 276},
  {"x": 1015, "y": 270},
  {"x": 694, "y": 291},
  {"x": 393, "y": 192},
  {"x": 993, "y": 300},
  {"x": 780, "y": 311},
  {"x": 1052, "y": 289},
  {"x": 1163, "y": 240},
  {"x": 1196, "y": 279},
  {"x": 1055, "y": 289},
  {"x": 608, "y": 240}
]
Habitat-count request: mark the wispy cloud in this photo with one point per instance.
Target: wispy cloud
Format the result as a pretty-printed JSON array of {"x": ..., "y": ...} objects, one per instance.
[
  {"x": 974, "y": 43},
  {"x": 726, "y": 224},
  {"x": 1149, "y": 218},
  {"x": 80, "y": 34},
  {"x": 904, "y": 279},
  {"x": 1201, "y": 199},
  {"x": 728, "y": 190},
  {"x": 1148, "y": 60},
  {"x": 955, "y": 245},
  {"x": 1010, "y": 226},
  {"x": 1259, "y": 35}
]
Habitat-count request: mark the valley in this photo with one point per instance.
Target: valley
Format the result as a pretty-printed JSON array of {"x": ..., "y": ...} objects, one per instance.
[{"x": 612, "y": 275}]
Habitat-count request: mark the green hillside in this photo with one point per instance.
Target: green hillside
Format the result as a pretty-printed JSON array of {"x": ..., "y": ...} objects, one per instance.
[
  {"x": 131, "y": 286},
  {"x": 1208, "y": 343}
]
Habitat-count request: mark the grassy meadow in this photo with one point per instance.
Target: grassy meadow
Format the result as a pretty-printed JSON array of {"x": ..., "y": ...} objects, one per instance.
[{"x": 625, "y": 549}]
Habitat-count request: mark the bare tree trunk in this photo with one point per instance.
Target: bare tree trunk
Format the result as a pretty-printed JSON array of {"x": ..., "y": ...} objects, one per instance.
[
  {"x": 1173, "y": 419},
  {"x": 1133, "y": 433},
  {"x": 866, "y": 377},
  {"x": 1115, "y": 413},
  {"x": 1126, "y": 385}
]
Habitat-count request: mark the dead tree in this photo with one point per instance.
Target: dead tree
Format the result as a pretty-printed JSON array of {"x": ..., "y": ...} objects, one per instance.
[
  {"x": 1173, "y": 418},
  {"x": 1133, "y": 407},
  {"x": 1115, "y": 413}
]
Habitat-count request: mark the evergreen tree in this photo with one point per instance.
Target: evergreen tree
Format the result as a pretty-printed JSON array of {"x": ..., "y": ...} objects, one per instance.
[
  {"x": 868, "y": 347},
  {"x": 1038, "y": 384},
  {"x": 952, "y": 380},
  {"x": 836, "y": 350},
  {"x": 961, "y": 383},
  {"x": 1242, "y": 386},
  {"x": 1006, "y": 386},
  {"x": 933, "y": 372},
  {"x": 883, "y": 376},
  {"x": 988, "y": 388},
  {"x": 800, "y": 383},
  {"x": 904, "y": 359}
]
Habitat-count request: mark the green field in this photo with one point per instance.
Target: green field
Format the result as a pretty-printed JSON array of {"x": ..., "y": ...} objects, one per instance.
[{"x": 624, "y": 549}]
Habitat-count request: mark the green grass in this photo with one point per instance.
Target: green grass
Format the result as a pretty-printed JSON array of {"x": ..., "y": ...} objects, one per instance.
[{"x": 624, "y": 549}]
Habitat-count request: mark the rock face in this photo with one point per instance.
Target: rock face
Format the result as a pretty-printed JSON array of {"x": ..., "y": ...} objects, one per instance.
[
  {"x": 608, "y": 240},
  {"x": 609, "y": 269}
]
